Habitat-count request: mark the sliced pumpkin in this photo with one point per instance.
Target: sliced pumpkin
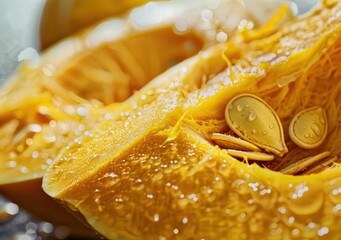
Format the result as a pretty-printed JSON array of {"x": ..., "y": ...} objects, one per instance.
[
  {"x": 154, "y": 173},
  {"x": 46, "y": 107},
  {"x": 43, "y": 108}
]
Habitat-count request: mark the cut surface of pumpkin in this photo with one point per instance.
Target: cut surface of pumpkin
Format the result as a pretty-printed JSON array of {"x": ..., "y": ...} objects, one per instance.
[
  {"x": 79, "y": 82},
  {"x": 45, "y": 107},
  {"x": 151, "y": 172}
]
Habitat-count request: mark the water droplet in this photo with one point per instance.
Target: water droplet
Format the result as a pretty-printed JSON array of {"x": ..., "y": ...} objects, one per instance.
[
  {"x": 271, "y": 125},
  {"x": 156, "y": 217},
  {"x": 337, "y": 209},
  {"x": 150, "y": 196},
  {"x": 119, "y": 203},
  {"x": 24, "y": 169},
  {"x": 11, "y": 164},
  {"x": 193, "y": 197},
  {"x": 291, "y": 220},
  {"x": 306, "y": 135},
  {"x": 240, "y": 108},
  {"x": 295, "y": 232},
  {"x": 138, "y": 185},
  {"x": 282, "y": 210},
  {"x": 35, "y": 154},
  {"x": 241, "y": 217},
  {"x": 323, "y": 231},
  {"x": 265, "y": 132},
  {"x": 211, "y": 163},
  {"x": 312, "y": 225},
  {"x": 155, "y": 161},
  {"x": 176, "y": 164},
  {"x": 254, "y": 130},
  {"x": 252, "y": 116},
  {"x": 306, "y": 199},
  {"x": 82, "y": 111},
  {"x": 334, "y": 188}
]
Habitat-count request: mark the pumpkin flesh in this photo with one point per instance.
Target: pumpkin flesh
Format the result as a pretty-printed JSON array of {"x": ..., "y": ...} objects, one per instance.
[{"x": 153, "y": 172}]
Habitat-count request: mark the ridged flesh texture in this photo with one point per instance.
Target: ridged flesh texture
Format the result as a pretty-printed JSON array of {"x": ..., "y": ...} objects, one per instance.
[
  {"x": 45, "y": 108},
  {"x": 153, "y": 172}
]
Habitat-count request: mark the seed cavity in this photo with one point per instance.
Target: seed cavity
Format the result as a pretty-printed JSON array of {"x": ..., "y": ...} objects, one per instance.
[
  {"x": 230, "y": 142},
  {"x": 260, "y": 116},
  {"x": 308, "y": 129}
]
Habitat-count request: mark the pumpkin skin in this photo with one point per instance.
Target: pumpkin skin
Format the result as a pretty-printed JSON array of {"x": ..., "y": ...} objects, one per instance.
[{"x": 152, "y": 173}]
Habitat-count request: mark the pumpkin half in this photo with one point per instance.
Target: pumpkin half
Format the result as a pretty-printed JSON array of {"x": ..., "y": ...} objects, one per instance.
[{"x": 152, "y": 172}]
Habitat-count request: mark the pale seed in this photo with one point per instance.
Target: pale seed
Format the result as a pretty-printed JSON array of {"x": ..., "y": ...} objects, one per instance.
[
  {"x": 230, "y": 142},
  {"x": 254, "y": 156},
  {"x": 304, "y": 163},
  {"x": 258, "y": 124},
  {"x": 322, "y": 166},
  {"x": 308, "y": 129}
]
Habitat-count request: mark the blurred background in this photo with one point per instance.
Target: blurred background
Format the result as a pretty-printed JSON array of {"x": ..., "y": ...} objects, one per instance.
[
  {"x": 29, "y": 26},
  {"x": 19, "y": 32}
]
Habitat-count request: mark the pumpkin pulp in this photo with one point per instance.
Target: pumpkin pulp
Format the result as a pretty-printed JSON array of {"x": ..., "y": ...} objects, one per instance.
[{"x": 152, "y": 171}]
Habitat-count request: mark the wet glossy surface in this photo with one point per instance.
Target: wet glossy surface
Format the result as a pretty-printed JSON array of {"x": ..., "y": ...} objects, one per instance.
[
  {"x": 255, "y": 121},
  {"x": 178, "y": 171},
  {"x": 308, "y": 129},
  {"x": 230, "y": 142}
]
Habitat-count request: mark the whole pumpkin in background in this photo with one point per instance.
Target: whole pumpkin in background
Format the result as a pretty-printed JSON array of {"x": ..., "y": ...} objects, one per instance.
[{"x": 152, "y": 172}]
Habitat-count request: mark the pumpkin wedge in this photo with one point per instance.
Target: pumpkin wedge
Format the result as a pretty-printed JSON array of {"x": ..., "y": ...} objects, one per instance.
[
  {"x": 153, "y": 172},
  {"x": 44, "y": 108},
  {"x": 48, "y": 104}
]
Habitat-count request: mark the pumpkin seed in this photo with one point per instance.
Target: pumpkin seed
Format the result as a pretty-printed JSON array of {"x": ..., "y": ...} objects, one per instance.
[
  {"x": 308, "y": 129},
  {"x": 322, "y": 166},
  {"x": 255, "y": 156},
  {"x": 255, "y": 121},
  {"x": 230, "y": 142},
  {"x": 304, "y": 163}
]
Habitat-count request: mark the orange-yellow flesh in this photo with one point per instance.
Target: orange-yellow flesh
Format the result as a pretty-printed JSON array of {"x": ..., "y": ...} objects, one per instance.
[
  {"x": 307, "y": 76},
  {"x": 188, "y": 188},
  {"x": 45, "y": 108},
  {"x": 152, "y": 172}
]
